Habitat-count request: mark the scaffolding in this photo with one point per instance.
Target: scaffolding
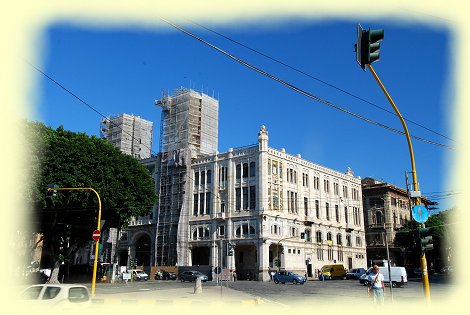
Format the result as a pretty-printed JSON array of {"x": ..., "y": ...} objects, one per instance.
[
  {"x": 131, "y": 134},
  {"x": 188, "y": 129}
]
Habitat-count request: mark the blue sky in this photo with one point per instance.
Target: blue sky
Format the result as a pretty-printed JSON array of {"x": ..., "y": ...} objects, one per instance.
[{"x": 124, "y": 69}]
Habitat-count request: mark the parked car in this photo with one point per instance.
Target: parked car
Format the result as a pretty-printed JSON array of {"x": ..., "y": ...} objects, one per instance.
[
  {"x": 62, "y": 296},
  {"x": 288, "y": 276},
  {"x": 165, "y": 275},
  {"x": 139, "y": 274},
  {"x": 355, "y": 273},
  {"x": 192, "y": 276},
  {"x": 334, "y": 271}
]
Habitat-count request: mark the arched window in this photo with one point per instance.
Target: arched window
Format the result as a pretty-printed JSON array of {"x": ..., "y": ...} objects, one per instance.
[
  {"x": 339, "y": 239},
  {"x": 379, "y": 217},
  {"x": 252, "y": 230},
  {"x": 318, "y": 236},
  {"x": 195, "y": 235},
  {"x": 238, "y": 231},
  {"x": 328, "y": 236}
]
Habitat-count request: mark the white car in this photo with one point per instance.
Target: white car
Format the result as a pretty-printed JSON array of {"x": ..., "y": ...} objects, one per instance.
[{"x": 62, "y": 296}]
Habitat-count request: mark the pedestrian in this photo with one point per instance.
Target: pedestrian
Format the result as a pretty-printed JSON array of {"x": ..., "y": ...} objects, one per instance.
[
  {"x": 270, "y": 275},
  {"x": 376, "y": 287},
  {"x": 320, "y": 275},
  {"x": 305, "y": 276},
  {"x": 235, "y": 276}
]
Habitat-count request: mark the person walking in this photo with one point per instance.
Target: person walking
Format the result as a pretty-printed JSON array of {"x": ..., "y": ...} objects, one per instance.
[
  {"x": 234, "y": 276},
  {"x": 376, "y": 287}
]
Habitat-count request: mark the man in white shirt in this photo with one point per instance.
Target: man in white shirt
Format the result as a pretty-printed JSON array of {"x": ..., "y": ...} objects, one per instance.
[{"x": 376, "y": 286}]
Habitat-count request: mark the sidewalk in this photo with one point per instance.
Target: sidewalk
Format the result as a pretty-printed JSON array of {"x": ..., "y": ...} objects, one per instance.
[{"x": 210, "y": 295}]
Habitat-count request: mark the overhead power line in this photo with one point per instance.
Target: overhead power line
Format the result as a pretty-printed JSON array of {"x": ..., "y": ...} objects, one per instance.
[
  {"x": 299, "y": 90},
  {"x": 317, "y": 79}
]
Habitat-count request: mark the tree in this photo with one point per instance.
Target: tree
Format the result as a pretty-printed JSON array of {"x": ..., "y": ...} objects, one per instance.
[{"x": 71, "y": 159}]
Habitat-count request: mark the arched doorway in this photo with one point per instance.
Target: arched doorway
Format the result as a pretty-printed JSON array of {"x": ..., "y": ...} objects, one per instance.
[
  {"x": 143, "y": 250},
  {"x": 246, "y": 262}
]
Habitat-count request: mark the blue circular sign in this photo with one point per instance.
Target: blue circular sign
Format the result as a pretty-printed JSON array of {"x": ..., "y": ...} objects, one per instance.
[{"x": 420, "y": 214}]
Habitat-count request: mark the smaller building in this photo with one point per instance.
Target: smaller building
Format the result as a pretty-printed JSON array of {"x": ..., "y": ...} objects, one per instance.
[
  {"x": 130, "y": 134},
  {"x": 387, "y": 208}
]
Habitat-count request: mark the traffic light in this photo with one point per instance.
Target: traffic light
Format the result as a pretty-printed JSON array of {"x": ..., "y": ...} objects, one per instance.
[
  {"x": 425, "y": 240},
  {"x": 50, "y": 190},
  {"x": 368, "y": 46},
  {"x": 230, "y": 247}
]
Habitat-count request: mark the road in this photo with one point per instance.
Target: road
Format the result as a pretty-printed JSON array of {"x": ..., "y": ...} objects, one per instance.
[{"x": 345, "y": 291}]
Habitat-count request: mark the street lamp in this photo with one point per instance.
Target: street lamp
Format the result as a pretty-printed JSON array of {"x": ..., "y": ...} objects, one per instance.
[{"x": 95, "y": 263}]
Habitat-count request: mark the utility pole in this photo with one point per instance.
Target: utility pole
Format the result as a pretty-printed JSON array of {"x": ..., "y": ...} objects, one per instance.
[{"x": 367, "y": 52}]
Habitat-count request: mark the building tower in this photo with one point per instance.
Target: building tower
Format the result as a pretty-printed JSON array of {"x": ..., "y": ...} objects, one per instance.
[
  {"x": 189, "y": 129},
  {"x": 130, "y": 134}
]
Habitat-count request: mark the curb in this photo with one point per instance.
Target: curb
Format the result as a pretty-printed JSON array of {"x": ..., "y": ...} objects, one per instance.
[{"x": 246, "y": 302}]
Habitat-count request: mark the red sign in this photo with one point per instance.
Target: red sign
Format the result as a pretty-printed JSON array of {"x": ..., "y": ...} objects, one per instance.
[{"x": 96, "y": 235}]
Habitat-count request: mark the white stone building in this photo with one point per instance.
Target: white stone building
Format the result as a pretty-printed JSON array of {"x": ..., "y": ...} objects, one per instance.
[{"x": 261, "y": 200}]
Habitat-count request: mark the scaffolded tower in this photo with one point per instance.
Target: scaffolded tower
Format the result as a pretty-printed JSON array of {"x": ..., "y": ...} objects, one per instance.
[
  {"x": 189, "y": 129},
  {"x": 130, "y": 134}
]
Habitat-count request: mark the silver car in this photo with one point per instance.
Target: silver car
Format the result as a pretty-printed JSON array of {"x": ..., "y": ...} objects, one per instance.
[{"x": 62, "y": 296}]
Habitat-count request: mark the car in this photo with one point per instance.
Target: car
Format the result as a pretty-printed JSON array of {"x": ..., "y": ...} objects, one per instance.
[
  {"x": 355, "y": 273},
  {"x": 139, "y": 274},
  {"x": 398, "y": 276},
  {"x": 333, "y": 272},
  {"x": 288, "y": 276},
  {"x": 192, "y": 275},
  {"x": 165, "y": 275},
  {"x": 62, "y": 296}
]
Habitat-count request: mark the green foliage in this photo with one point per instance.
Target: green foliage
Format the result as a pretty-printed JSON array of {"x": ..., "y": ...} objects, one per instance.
[{"x": 72, "y": 159}]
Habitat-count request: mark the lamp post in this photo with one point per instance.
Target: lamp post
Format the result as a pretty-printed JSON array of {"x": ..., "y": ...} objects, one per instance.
[{"x": 95, "y": 263}]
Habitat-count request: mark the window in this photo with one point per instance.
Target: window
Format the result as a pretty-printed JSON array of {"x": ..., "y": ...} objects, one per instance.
[
  {"x": 252, "y": 197},
  {"x": 221, "y": 230},
  {"x": 306, "y": 206},
  {"x": 348, "y": 240},
  {"x": 337, "y": 213},
  {"x": 318, "y": 237},
  {"x": 196, "y": 178},
  {"x": 336, "y": 189},
  {"x": 317, "y": 209},
  {"x": 238, "y": 199},
  {"x": 316, "y": 182},
  {"x": 203, "y": 178},
  {"x": 245, "y": 170},
  {"x": 346, "y": 214},
  {"x": 327, "y": 207},
  {"x": 245, "y": 198},
  {"x": 328, "y": 236},
  {"x": 78, "y": 294},
  {"x": 339, "y": 239},
  {"x": 345, "y": 191},
  {"x": 252, "y": 169},
  {"x": 238, "y": 171},
  {"x": 50, "y": 293},
  {"x": 195, "y": 204},
  {"x": 358, "y": 241},
  {"x": 201, "y": 203},
  {"x": 379, "y": 217},
  {"x": 209, "y": 176},
  {"x": 319, "y": 254},
  {"x": 208, "y": 203}
]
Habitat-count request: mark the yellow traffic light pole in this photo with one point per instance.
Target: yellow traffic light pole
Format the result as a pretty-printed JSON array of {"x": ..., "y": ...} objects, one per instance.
[
  {"x": 95, "y": 263},
  {"x": 424, "y": 270}
]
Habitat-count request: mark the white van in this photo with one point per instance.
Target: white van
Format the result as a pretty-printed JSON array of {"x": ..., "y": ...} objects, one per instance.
[
  {"x": 139, "y": 274},
  {"x": 399, "y": 277}
]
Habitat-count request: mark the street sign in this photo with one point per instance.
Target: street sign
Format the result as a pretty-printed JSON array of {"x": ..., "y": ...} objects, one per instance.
[
  {"x": 420, "y": 213},
  {"x": 96, "y": 235}
]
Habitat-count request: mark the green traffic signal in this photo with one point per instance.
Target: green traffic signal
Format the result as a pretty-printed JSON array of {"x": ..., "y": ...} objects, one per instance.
[
  {"x": 368, "y": 46},
  {"x": 425, "y": 240}
]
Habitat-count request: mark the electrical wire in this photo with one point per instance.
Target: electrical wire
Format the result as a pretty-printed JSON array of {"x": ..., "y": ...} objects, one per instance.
[
  {"x": 299, "y": 90},
  {"x": 317, "y": 79}
]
